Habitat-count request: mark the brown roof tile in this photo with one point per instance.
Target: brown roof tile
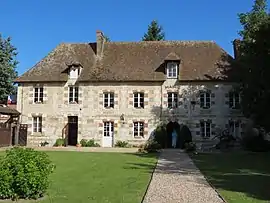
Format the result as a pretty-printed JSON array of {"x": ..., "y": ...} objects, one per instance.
[
  {"x": 130, "y": 61},
  {"x": 5, "y": 110}
]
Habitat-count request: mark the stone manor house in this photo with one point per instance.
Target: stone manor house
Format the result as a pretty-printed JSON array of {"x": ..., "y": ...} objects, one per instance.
[{"x": 113, "y": 91}]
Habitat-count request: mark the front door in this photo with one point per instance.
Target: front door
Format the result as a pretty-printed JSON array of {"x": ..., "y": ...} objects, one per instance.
[
  {"x": 108, "y": 134},
  {"x": 72, "y": 130}
]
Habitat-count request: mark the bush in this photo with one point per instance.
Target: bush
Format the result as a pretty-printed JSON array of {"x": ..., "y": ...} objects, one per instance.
[
  {"x": 150, "y": 146},
  {"x": 161, "y": 135},
  {"x": 123, "y": 144},
  {"x": 89, "y": 143},
  {"x": 253, "y": 140},
  {"x": 184, "y": 136},
  {"x": 24, "y": 174},
  {"x": 59, "y": 142},
  {"x": 190, "y": 146}
]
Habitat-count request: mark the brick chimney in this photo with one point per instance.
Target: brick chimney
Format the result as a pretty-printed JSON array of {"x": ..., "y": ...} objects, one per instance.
[
  {"x": 236, "y": 48},
  {"x": 100, "y": 43}
]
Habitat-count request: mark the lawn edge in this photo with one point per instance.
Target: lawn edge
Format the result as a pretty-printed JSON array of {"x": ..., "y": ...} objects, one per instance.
[
  {"x": 211, "y": 185},
  {"x": 151, "y": 177}
]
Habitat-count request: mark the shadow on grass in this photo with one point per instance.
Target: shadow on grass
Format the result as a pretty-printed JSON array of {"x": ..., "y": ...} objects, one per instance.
[{"x": 248, "y": 173}]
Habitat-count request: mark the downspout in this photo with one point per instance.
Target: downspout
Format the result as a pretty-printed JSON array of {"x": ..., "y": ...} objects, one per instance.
[{"x": 161, "y": 107}]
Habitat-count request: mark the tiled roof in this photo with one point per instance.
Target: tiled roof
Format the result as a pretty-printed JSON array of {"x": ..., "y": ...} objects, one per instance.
[{"x": 130, "y": 61}]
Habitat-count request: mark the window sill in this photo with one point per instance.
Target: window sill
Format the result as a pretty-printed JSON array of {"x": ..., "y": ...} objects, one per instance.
[
  {"x": 172, "y": 77},
  {"x": 138, "y": 137},
  {"x": 108, "y": 108},
  {"x": 138, "y": 107},
  {"x": 39, "y": 102},
  {"x": 72, "y": 103}
]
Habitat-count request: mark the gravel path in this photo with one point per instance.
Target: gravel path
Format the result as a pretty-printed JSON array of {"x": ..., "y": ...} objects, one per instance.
[{"x": 177, "y": 180}]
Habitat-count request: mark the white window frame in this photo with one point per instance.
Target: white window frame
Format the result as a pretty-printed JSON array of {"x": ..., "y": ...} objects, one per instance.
[
  {"x": 110, "y": 98},
  {"x": 140, "y": 131},
  {"x": 35, "y": 129},
  {"x": 205, "y": 123},
  {"x": 174, "y": 98},
  {"x": 205, "y": 94},
  {"x": 74, "y": 72},
  {"x": 40, "y": 94},
  {"x": 108, "y": 127},
  {"x": 234, "y": 104},
  {"x": 233, "y": 128},
  {"x": 140, "y": 99},
  {"x": 73, "y": 98},
  {"x": 172, "y": 70}
]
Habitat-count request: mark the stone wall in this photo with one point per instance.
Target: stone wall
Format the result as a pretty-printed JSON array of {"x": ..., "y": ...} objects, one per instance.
[{"x": 91, "y": 114}]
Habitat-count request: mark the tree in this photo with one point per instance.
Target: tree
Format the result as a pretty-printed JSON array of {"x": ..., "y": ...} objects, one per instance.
[
  {"x": 251, "y": 21},
  {"x": 253, "y": 63},
  {"x": 8, "y": 66},
  {"x": 154, "y": 32},
  {"x": 107, "y": 38}
]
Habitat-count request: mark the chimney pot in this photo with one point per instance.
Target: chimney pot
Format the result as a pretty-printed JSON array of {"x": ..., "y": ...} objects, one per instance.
[
  {"x": 236, "y": 48},
  {"x": 100, "y": 42}
]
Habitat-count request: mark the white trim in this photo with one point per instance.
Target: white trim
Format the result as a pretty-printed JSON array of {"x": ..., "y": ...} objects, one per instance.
[
  {"x": 172, "y": 68},
  {"x": 139, "y": 130},
  {"x": 38, "y": 96},
  {"x": 110, "y": 95},
  {"x": 111, "y": 128},
  {"x": 174, "y": 96},
  {"x": 140, "y": 97},
  {"x": 38, "y": 122},
  {"x": 234, "y": 99},
  {"x": 205, "y": 99},
  {"x": 205, "y": 127},
  {"x": 73, "y": 94}
]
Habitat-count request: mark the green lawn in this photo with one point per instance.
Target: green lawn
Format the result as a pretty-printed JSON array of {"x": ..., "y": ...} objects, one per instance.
[
  {"x": 239, "y": 177},
  {"x": 82, "y": 177}
]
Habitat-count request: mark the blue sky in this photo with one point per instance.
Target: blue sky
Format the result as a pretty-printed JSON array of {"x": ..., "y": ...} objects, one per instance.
[{"x": 37, "y": 26}]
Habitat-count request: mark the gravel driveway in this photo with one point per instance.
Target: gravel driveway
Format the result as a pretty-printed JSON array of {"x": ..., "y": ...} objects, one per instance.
[{"x": 177, "y": 180}]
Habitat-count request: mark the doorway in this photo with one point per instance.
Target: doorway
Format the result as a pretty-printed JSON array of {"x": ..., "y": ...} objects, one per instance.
[
  {"x": 170, "y": 127},
  {"x": 72, "y": 130},
  {"x": 108, "y": 132}
]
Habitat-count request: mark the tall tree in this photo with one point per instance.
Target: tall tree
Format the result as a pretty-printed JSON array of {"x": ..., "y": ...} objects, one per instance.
[
  {"x": 253, "y": 63},
  {"x": 251, "y": 21},
  {"x": 107, "y": 38},
  {"x": 8, "y": 64},
  {"x": 154, "y": 33}
]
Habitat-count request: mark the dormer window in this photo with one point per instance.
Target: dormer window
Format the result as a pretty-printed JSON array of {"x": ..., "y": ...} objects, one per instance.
[
  {"x": 172, "y": 70},
  {"x": 74, "y": 72}
]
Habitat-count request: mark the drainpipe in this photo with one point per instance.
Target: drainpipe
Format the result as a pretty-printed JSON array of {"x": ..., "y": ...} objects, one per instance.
[{"x": 161, "y": 108}]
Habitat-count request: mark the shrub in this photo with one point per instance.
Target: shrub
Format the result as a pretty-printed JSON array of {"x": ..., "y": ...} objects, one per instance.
[
  {"x": 184, "y": 136},
  {"x": 44, "y": 144},
  {"x": 89, "y": 143},
  {"x": 24, "y": 174},
  {"x": 83, "y": 143},
  {"x": 123, "y": 144},
  {"x": 254, "y": 140},
  {"x": 151, "y": 146},
  {"x": 190, "y": 146},
  {"x": 161, "y": 135},
  {"x": 59, "y": 142}
]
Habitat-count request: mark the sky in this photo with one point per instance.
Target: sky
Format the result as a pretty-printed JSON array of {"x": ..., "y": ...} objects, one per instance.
[{"x": 38, "y": 26}]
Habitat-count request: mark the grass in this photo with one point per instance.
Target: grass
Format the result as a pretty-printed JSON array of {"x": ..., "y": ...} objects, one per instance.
[
  {"x": 99, "y": 177},
  {"x": 239, "y": 177}
]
